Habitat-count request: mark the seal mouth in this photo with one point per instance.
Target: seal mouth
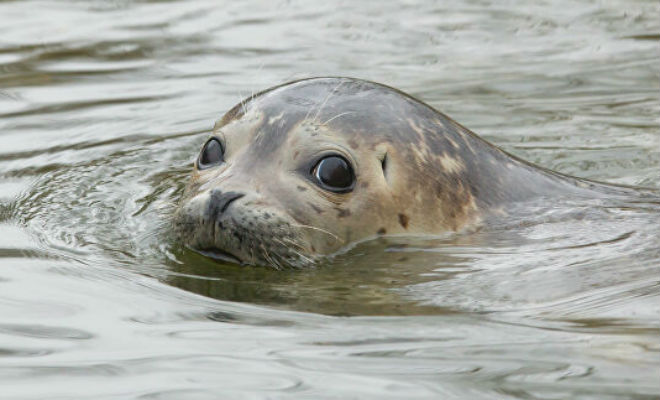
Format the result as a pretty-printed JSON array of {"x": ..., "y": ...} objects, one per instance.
[{"x": 221, "y": 255}]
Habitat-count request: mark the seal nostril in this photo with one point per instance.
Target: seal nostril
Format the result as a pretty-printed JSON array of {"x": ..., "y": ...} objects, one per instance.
[{"x": 220, "y": 201}]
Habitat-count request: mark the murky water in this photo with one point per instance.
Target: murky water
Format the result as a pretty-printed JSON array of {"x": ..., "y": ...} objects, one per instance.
[{"x": 104, "y": 105}]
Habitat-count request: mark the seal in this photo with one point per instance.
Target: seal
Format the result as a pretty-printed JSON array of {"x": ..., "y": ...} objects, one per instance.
[{"x": 304, "y": 169}]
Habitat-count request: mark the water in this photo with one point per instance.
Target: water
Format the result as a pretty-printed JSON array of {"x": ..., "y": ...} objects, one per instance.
[{"x": 104, "y": 105}]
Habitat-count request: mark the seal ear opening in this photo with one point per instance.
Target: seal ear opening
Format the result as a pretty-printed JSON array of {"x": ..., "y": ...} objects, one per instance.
[{"x": 383, "y": 164}]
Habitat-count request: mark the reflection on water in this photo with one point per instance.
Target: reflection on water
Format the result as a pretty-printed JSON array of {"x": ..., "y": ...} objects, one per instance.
[{"x": 103, "y": 106}]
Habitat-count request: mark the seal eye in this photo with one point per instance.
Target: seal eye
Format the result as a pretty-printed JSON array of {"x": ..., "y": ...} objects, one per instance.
[
  {"x": 335, "y": 174},
  {"x": 212, "y": 154}
]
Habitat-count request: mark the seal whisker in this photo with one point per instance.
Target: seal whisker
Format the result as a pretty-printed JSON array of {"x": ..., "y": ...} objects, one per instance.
[
  {"x": 288, "y": 242},
  {"x": 242, "y": 102},
  {"x": 299, "y": 245},
  {"x": 337, "y": 116},
  {"x": 307, "y": 114},
  {"x": 327, "y": 97},
  {"x": 268, "y": 257},
  {"x": 296, "y": 252},
  {"x": 303, "y": 257},
  {"x": 316, "y": 228},
  {"x": 298, "y": 262}
]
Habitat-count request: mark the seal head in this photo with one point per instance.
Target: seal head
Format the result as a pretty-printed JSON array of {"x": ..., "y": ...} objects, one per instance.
[{"x": 306, "y": 168}]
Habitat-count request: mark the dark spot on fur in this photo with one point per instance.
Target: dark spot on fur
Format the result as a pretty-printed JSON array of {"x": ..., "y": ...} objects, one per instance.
[
  {"x": 353, "y": 143},
  {"x": 301, "y": 188},
  {"x": 234, "y": 113},
  {"x": 318, "y": 210},
  {"x": 295, "y": 154},
  {"x": 473, "y": 188},
  {"x": 403, "y": 220},
  {"x": 365, "y": 184},
  {"x": 382, "y": 231},
  {"x": 343, "y": 212}
]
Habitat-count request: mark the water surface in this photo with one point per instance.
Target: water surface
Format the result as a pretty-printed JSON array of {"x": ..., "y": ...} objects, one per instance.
[{"x": 104, "y": 105}]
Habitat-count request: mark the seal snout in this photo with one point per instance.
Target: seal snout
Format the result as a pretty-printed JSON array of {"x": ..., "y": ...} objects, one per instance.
[{"x": 220, "y": 201}]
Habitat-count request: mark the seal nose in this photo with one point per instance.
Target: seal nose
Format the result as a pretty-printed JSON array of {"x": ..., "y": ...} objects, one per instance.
[{"x": 220, "y": 201}]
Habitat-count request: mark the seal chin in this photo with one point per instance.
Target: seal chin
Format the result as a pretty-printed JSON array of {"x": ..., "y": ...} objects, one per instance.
[{"x": 221, "y": 255}]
